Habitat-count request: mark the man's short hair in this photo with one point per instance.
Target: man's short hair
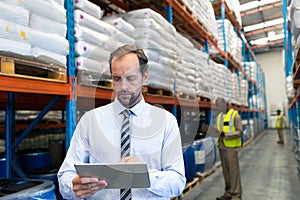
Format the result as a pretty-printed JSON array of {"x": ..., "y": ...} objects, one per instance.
[{"x": 123, "y": 50}]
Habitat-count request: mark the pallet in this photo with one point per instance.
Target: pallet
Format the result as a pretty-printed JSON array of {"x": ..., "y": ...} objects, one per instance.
[
  {"x": 85, "y": 78},
  {"x": 23, "y": 68},
  {"x": 157, "y": 91},
  {"x": 203, "y": 99},
  {"x": 190, "y": 187},
  {"x": 185, "y": 96}
]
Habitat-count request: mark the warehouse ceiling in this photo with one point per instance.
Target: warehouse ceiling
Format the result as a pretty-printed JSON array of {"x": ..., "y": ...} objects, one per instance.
[{"x": 262, "y": 22}]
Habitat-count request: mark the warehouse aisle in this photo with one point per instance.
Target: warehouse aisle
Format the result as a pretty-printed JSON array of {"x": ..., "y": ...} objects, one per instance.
[{"x": 268, "y": 172}]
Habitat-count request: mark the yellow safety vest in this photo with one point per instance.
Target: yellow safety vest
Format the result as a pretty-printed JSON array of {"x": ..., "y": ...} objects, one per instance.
[
  {"x": 228, "y": 126},
  {"x": 278, "y": 121}
]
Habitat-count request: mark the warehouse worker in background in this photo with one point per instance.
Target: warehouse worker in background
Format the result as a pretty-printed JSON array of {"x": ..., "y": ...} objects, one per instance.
[
  {"x": 280, "y": 127},
  {"x": 154, "y": 137},
  {"x": 229, "y": 126}
]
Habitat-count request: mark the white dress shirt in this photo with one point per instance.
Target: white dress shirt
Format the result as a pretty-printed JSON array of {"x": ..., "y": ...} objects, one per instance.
[{"x": 155, "y": 139}]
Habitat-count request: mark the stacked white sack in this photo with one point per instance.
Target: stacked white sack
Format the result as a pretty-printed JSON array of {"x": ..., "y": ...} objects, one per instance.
[
  {"x": 295, "y": 20},
  {"x": 47, "y": 30},
  {"x": 234, "y": 5},
  {"x": 204, "y": 12},
  {"x": 235, "y": 90},
  {"x": 233, "y": 42},
  {"x": 13, "y": 22},
  {"x": 244, "y": 92},
  {"x": 95, "y": 39},
  {"x": 155, "y": 34},
  {"x": 220, "y": 81},
  {"x": 203, "y": 74},
  {"x": 186, "y": 69},
  {"x": 250, "y": 69}
]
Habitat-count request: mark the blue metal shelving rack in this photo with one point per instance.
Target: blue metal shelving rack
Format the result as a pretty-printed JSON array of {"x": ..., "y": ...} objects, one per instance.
[{"x": 294, "y": 106}]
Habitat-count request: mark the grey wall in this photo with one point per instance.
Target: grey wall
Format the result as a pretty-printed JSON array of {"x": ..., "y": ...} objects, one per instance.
[{"x": 273, "y": 66}]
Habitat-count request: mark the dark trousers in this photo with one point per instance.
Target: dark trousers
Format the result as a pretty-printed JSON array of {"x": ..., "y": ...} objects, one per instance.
[{"x": 231, "y": 173}]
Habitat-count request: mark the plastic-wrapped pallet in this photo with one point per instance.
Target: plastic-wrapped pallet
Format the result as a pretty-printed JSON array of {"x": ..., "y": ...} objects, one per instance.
[
  {"x": 91, "y": 65},
  {"x": 120, "y": 24},
  {"x": 290, "y": 90},
  {"x": 48, "y": 26},
  {"x": 234, "y": 5},
  {"x": 250, "y": 68},
  {"x": 220, "y": 84},
  {"x": 244, "y": 92},
  {"x": 151, "y": 31},
  {"x": 41, "y": 8},
  {"x": 89, "y": 8},
  {"x": 49, "y": 56},
  {"x": 295, "y": 15},
  {"x": 204, "y": 12},
  {"x": 233, "y": 42},
  {"x": 186, "y": 69},
  {"x": 15, "y": 47},
  {"x": 235, "y": 90},
  {"x": 203, "y": 74},
  {"x": 14, "y": 13}
]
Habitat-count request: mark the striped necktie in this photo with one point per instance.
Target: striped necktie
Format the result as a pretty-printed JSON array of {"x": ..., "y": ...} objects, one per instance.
[{"x": 125, "y": 194}]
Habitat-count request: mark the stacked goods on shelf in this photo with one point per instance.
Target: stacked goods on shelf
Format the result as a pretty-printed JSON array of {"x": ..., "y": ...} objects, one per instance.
[
  {"x": 251, "y": 69},
  {"x": 290, "y": 90},
  {"x": 234, "y": 6},
  {"x": 235, "y": 90},
  {"x": 95, "y": 39},
  {"x": 203, "y": 74},
  {"x": 156, "y": 36},
  {"x": 186, "y": 72},
  {"x": 39, "y": 33},
  {"x": 204, "y": 12},
  {"x": 247, "y": 132},
  {"x": 244, "y": 92},
  {"x": 233, "y": 42},
  {"x": 220, "y": 82},
  {"x": 295, "y": 20}
]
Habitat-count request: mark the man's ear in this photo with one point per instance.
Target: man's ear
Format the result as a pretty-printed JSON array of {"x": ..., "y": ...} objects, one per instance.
[{"x": 145, "y": 77}]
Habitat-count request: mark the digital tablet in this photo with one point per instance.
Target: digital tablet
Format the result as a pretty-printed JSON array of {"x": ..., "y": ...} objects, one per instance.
[{"x": 117, "y": 175}]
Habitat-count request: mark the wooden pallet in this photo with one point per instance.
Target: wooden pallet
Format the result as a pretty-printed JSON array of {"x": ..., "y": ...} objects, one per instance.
[
  {"x": 185, "y": 96},
  {"x": 157, "y": 91},
  {"x": 94, "y": 80},
  {"x": 23, "y": 68},
  {"x": 203, "y": 99},
  {"x": 190, "y": 187}
]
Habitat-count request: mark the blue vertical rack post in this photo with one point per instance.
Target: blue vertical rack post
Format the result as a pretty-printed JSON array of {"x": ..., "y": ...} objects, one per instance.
[
  {"x": 9, "y": 131},
  {"x": 71, "y": 101}
]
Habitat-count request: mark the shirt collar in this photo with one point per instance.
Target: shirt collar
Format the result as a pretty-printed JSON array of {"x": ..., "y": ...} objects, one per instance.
[{"x": 136, "y": 110}]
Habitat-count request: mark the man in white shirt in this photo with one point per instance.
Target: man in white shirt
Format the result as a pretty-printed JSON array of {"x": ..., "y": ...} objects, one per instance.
[{"x": 154, "y": 137}]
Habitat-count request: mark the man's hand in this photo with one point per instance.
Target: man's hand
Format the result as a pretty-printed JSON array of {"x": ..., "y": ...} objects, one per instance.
[
  {"x": 86, "y": 187},
  {"x": 130, "y": 159}
]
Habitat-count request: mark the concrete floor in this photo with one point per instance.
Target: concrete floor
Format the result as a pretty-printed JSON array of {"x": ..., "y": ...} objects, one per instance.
[{"x": 268, "y": 172}]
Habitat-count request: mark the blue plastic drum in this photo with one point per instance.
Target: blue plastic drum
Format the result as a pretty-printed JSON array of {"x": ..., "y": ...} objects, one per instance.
[
  {"x": 189, "y": 163},
  {"x": 199, "y": 156}
]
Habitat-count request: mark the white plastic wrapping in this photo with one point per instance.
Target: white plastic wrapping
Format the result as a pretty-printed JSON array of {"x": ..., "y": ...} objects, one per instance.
[
  {"x": 89, "y": 8},
  {"x": 48, "y": 26},
  {"x": 145, "y": 14},
  {"x": 90, "y": 65},
  {"x": 61, "y": 2},
  {"x": 50, "y": 42},
  {"x": 120, "y": 24},
  {"x": 86, "y": 20},
  {"x": 49, "y": 57},
  {"x": 15, "y": 47},
  {"x": 160, "y": 76},
  {"x": 14, "y": 14},
  {"x": 91, "y": 51},
  {"x": 13, "y": 31},
  {"x": 42, "y": 8},
  {"x": 82, "y": 33}
]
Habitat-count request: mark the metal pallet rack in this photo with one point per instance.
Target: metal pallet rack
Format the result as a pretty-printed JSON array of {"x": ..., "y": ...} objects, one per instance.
[
  {"x": 256, "y": 88},
  {"x": 291, "y": 66}
]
